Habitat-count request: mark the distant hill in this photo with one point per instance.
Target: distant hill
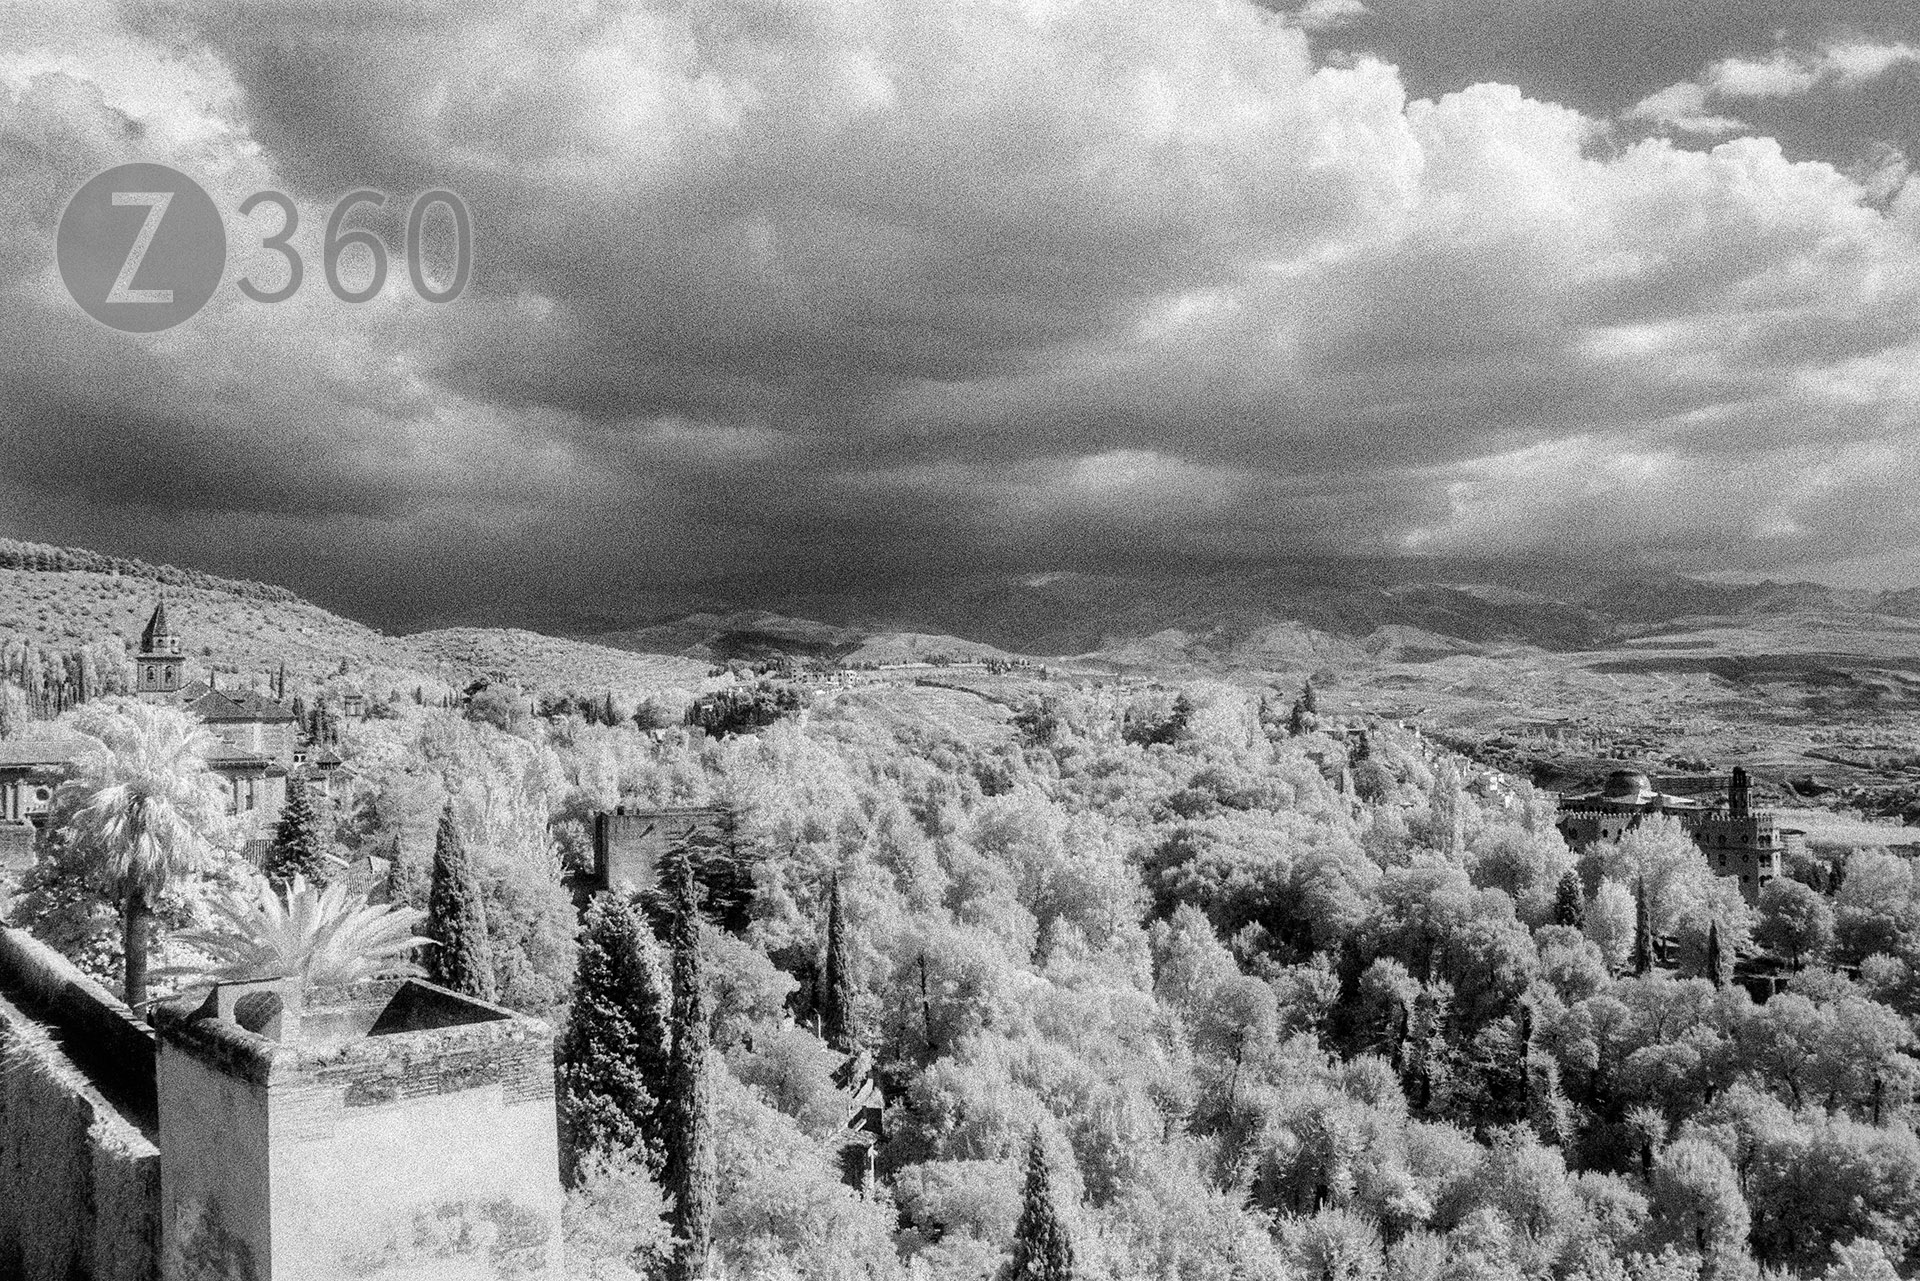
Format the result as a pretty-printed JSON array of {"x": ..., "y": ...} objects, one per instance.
[
  {"x": 751, "y": 635},
  {"x": 46, "y": 558},
  {"x": 1451, "y": 606},
  {"x": 243, "y": 633}
]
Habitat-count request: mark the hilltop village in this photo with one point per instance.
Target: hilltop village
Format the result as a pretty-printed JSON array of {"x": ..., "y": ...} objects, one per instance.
[{"x": 964, "y": 970}]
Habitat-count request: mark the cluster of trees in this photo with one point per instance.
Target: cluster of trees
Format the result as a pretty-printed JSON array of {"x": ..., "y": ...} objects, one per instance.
[
  {"x": 740, "y": 709},
  {"x": 1149, "y": 996},
  {"x": 605, "y": 709},
  {"x": 45, "y": 558},
  {"x": 40, "y": 684}
]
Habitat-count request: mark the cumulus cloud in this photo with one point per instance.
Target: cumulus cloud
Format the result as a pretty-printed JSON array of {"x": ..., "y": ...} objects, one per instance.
[
  {"x": 767, "y": 288},
  {"x": 1328, "y": 15},
  {"x": 1684, "y": 107},
  {"x": 1783, "y": 74}
]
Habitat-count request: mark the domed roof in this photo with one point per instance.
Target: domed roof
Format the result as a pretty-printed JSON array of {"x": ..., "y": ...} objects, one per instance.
[{"x": 1627, "y": 785}]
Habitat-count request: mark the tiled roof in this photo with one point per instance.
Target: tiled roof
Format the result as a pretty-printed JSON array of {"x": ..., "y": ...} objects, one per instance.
[
  {"x": 58, "y": 748},
  {"x": 224, "y": 757},
  {"x": 241, "y": 705},
  {"x": 47, "y": 749}
]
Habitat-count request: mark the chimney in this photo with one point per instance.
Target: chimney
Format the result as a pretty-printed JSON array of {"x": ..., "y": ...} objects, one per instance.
[{"x": 1739, "y": 800}]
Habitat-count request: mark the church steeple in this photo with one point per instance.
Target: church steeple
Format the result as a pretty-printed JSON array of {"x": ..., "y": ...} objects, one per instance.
[{"x": 158, "y": 666}]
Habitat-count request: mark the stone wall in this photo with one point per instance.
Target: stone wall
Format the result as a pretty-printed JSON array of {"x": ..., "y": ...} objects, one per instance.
[
  {"x": 628, "y": 846},
  {"x": 100, "y": 1035},
  {"x": 79, "y": 1177},
  {"x": 394, "y": 1143}
]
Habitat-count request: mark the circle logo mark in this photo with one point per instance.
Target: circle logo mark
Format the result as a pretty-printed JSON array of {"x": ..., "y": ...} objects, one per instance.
[{"x": 141, "y": 248}]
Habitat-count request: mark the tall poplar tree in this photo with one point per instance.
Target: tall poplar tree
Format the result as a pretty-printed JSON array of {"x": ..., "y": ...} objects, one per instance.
[
  {"x": 690, "y": 1171},
  {"x": 615, "y": 1055},
  {"x": 457, "y": 918},
  {"x": 1042, "y": 1251},
  {"x": 836, "y": 1013},
  {"x": 1716, "y": 962}
]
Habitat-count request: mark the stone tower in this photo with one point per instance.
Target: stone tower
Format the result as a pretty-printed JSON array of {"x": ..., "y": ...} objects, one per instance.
[
  {"x": 159, "y": 666},
  {"x": 391, "y": 1131}
]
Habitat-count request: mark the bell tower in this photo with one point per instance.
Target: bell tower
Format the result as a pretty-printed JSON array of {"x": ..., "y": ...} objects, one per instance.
[{"x": 158, "y": 666}]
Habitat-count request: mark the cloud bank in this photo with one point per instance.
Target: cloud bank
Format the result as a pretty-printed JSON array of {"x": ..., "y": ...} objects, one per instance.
[{"x": 768, "y": 289}]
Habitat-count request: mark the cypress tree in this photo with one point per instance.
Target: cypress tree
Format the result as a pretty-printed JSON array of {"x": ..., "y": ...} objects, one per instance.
[
  {"x": 1642, "y": 929},
  {"x": 457, "y": 918},
  {"x": 690, "y": 1172},
  {"x": 614, "y": 1056},
  {"x": 1716, "y": 963},
  {"x": 1042, "y": 1250},
  {"x": 836, "y": 1014},
  {"x": 1569, "y": 908},
  {"x": 297, "y": 849},
  {"x": 408, "y": 884}
]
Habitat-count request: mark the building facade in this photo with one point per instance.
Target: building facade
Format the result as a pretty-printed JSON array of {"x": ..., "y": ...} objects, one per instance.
[
  {"x": 258, "y": 743},
  {"x": 628, "y": 845},
  {"x": 1737, "y": 840}
]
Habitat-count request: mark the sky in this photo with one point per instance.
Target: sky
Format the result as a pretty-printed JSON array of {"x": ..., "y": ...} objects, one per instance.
[{"x": 809, "y": 292}]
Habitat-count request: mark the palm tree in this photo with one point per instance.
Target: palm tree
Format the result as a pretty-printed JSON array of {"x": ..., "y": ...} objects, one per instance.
[
  {"x": 144, "y": 812},
  {"x": 325, "y": 936}
]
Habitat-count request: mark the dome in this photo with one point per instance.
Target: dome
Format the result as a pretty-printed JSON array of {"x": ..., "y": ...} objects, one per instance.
[{"x": 1627, "y": 785}]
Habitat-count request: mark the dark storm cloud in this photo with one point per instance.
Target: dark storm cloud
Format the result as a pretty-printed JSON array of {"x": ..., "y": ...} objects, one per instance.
[{"x": 768, "y": 288}]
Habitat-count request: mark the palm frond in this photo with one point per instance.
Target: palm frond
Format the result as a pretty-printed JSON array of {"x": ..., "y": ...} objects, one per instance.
[{"x": 325, "y": 936}]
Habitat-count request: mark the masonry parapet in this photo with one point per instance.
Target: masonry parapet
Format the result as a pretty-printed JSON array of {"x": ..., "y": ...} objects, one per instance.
[{"x": 389, "y": 1130}]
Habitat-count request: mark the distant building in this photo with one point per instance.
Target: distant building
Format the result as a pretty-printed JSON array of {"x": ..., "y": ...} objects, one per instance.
[
  {"x": 160, "y": 667},
  {"x": 1737, "y": 840},
  {"x": 258, "y": 743},
  {"x": 628, "y": 845}
]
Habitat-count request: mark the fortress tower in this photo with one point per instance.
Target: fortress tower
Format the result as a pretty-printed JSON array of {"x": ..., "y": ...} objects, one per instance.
[
  {"x": 392, "y": 1131},
  {"x": 159, "y": 666}
]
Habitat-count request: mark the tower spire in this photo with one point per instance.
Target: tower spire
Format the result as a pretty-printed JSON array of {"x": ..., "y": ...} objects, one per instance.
[{"x": 159, "y": 664}]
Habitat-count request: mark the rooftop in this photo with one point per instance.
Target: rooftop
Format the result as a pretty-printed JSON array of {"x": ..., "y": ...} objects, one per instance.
[
  {"x": 51, "y": 747},
  {"x": 239, "y": 705},
  {"x": 263, "y": 1029}
]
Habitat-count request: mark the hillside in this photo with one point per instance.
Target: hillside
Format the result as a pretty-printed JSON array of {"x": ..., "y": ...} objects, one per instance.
[
  {"x": 756, "y": 634},
  {"x": 245, "y": 635},
  {"x": 1227, "y": 615},
  {"x": 1798, "y": 683}
]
